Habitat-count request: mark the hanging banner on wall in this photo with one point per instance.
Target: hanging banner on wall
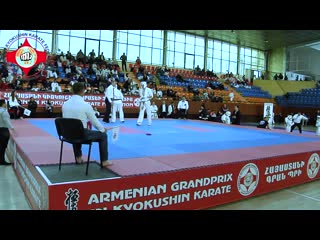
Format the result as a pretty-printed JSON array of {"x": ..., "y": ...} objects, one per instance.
[{"x": 268, "y": 112}]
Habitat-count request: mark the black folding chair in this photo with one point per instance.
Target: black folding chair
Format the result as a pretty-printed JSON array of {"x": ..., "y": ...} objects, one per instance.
[{"x": 71, "y": 130}]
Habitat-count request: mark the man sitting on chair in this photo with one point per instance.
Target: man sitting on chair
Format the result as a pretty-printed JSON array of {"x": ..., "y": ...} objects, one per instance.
[{"x": 76, "y": 107}]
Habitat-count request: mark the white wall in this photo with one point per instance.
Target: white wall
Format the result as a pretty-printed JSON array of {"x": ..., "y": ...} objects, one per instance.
[{"x": 304, "y": 60}]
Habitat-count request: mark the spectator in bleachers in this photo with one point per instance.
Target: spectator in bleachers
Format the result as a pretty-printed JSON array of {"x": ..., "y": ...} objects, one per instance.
[
  {"x": 3, "y": 84},
  {"x": 62, "y": 58},
  {"x": 159, "y": 94},
  {"x": 4, "y": 72},
  {"x": 101, "y": 88},
  {"x": 197, "y": 70},
  {"x": 114, "y": 73},
  {"x": 55, "y": 87},
  {"x": 59, "y": 64},
  {"x": 104, "y": 74},
  {"x": 138, "y": 61},
  {"x": 145, "y": 77},
  {"x": 19, "y": 71},
  {"x": 231, "y": 96},
  {"x": 3, "y": 55},
  {"x": 80, "y": 57},
  {"x": 108, "y": 63},
  {"x": 69, "y": 56},
  {"x": 90, "y": 70},
  {"x": 123, "y": 59},
  {"x": 205, "y": 95},
  {"x": 179, "y": 78},
  {"x": 68, "y": 71},
  {"x": 92, "y": 56},
  {"x": 94, "y": 66},
  {"x": 78, "y": 70},
  {"x": 134, "y": 88},
  {"x": 51, "y": 73},
  {"x": 190, "y": 88},
  {"x": 126, "y": 87},
  {"x": 101, "y": 59}
]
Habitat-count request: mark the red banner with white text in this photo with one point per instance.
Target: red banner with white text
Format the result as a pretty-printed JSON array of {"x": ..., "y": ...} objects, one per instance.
[{"x": 188, "y": 189}]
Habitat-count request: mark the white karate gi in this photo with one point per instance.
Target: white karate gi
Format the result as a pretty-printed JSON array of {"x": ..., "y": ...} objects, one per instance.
[{"x": 146, "y": 94}]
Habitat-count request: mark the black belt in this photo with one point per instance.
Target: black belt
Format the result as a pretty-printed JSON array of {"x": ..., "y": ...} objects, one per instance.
[{"x": 114, "y": 99}]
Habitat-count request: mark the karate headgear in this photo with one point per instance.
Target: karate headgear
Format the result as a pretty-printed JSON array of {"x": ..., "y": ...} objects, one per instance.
[
  {"x": 228, "y": 113},
  {"x": 290, "y": 117}
]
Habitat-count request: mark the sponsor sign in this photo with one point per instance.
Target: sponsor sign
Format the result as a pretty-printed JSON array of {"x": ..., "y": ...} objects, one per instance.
[
  {"x": 57, "y": 99},
  {"x": 188, "y": 189}
]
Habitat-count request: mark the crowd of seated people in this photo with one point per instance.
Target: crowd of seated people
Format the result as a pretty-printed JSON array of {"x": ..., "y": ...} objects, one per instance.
[
  {"x": 235, "y": 81},
  {"x": 201, "y": 72},
  {"x": 95, "y": 71}
]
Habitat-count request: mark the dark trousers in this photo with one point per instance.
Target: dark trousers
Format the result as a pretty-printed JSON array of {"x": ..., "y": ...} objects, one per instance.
[
  {"x": 101, "y": 138},
  {"x": 17, "y": 112},
  {"x": 182, "y": 113},
  {"x": 298, "y": 125},
  {"x": 4, "y": 139},
  {"x": 163, "y": 115},
  {"x": 108, "y": 110},
  {"x": 124, "y": 66}
]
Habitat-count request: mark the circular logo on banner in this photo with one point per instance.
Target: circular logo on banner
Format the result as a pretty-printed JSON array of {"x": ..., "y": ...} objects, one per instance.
[
  {"x": 26, "y": 57},
  {"x": 248, "y": 179},
  {"x": 313, "y": 165},
  {"x": 136, "y": 102}
]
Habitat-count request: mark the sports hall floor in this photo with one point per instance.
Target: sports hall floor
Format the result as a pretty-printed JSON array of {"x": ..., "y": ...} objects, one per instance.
[{"x": 302, "y": 197}]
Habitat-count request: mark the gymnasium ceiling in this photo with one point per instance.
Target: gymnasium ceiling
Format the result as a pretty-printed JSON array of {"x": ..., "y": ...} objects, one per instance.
[{"x": 261, "y": 39}]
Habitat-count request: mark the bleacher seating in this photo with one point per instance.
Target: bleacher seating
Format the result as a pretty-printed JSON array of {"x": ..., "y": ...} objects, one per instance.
[
  {"x": 305, "y": 98},
  {"x": 254, "y": 92}
]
